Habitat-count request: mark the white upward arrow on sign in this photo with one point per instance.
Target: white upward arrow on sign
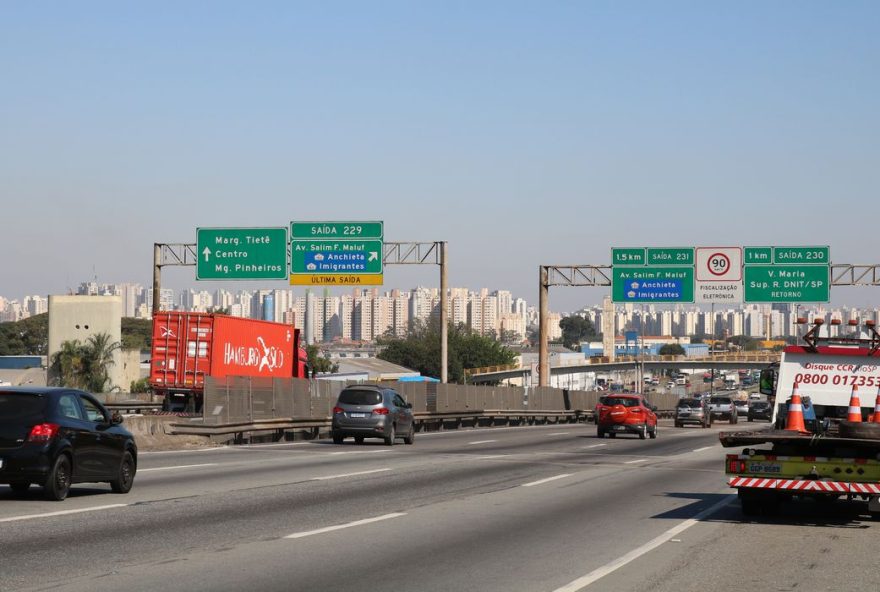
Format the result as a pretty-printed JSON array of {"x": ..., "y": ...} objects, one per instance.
[{"x": 206, "y": 253}]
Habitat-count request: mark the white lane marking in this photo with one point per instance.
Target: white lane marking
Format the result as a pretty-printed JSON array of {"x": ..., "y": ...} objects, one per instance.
[
  {"x": 632, "y": 462},
  {"x": 349, "y": 474},
  {"x": 188, "y": 450},
  {"x": 299, "y": 535},
  {"x": 704, "y": 448},
  {"x": 177, "y": 467},
  {"x": 559, "y": 434},
  {"x": 61, "y": 513},
  {"x": 360, "y": 451},
  {"x": 482, "y": 441},
  {"x": 594, "y": 446},
  {"x": 547, "y": 480},
  {"x": 601, "y": 572},
  {"x": 491, "y": 456}
]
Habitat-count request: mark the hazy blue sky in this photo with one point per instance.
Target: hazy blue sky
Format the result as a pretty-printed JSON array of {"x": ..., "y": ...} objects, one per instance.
[{"x": 524, "y": 133}]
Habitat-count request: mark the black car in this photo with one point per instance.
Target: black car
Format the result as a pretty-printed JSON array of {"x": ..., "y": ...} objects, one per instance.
[
  {"x": 760, "y": 410},
  {"x": 54, "y": 437}
]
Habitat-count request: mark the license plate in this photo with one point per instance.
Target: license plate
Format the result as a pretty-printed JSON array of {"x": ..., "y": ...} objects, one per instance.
[
  {"x": 357, "y": 414},
  {"x": 618, "y": 428}
]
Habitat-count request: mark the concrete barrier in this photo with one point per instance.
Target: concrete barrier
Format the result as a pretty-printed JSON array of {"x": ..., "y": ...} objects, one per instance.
[{"x": 154, "y": 433}]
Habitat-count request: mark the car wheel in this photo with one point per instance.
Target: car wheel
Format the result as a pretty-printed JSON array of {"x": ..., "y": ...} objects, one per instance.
[
  {"x": 750, "y": 419},
  {"x": 58, "y": 484},
  {"x": 125, "y": 478},
  {"x": 337, "y": 438},
  {"x": 612, "y": 435},
  {"x": 389, "y": 439},
  {"x": 358, "y": 439},
  {"x": 643, "y": 433},
  {"x": 600, "y": 433},
  {"x": 678, "y": 424},
  {"x": 19, "y": 487},
  {"x": 653, "y": 433},
  {"x": 411, "y": 437}
]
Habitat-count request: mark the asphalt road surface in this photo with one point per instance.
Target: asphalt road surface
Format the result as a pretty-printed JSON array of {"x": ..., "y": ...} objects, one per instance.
[{"x": 546, "y": 508}]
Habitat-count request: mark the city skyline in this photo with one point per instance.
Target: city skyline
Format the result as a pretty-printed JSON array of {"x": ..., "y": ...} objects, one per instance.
[{"x": 364, "y": 314}]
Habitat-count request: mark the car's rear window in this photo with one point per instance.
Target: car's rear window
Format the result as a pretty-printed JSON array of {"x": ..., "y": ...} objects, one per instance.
[
  {"x": 20, "y": 405},
  {"x": 690, "y": 403},
  {"x": 360, "y": 397},
  {"x": 625, "y": 401},
  {"x": 720, "y": 400}
]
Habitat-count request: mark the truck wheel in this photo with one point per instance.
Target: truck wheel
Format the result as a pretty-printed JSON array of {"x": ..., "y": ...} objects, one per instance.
[{"x": 750, "y": 502}]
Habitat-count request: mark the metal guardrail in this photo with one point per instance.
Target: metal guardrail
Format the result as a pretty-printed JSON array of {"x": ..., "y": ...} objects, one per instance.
[
  {"x": 425, "y": 421},
  {"x": 134, "y": 407}
]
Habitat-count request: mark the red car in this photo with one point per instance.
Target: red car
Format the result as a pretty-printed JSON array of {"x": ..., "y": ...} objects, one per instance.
[{"x": 627, "y": 414}]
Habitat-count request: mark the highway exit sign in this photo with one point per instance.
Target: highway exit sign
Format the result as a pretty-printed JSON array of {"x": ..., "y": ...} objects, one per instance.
[
  {"x": 336, "y": 253},
  {"x": 652, "y": 284},
  {"x": 787, "y": 283},
  {"x": 241, "y": 253}
]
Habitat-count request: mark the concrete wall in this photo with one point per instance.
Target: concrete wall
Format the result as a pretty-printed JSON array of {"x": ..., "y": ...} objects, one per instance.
[{"x": 80, "y": 317}]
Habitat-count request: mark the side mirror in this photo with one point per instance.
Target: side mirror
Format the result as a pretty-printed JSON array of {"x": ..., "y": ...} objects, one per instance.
[
  {"x": 767, "y": 381},
  {"x": 409, "y": 405},
  {"x": 116, "y": 418}
]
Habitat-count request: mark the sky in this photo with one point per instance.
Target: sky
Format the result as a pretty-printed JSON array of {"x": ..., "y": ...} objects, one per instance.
[{"x": 523, "y": 133}]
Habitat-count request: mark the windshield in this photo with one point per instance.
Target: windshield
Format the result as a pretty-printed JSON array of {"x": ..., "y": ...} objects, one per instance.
[
  {"x": 360, "y": 397},
  {"x": 20, "y": 405},
  {"x": 690, "y": 403},
  {"x": 625, "y": 401}
]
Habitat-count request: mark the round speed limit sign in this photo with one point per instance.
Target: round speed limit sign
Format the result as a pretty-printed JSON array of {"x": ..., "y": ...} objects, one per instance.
[{"x": 718, "y": 264}]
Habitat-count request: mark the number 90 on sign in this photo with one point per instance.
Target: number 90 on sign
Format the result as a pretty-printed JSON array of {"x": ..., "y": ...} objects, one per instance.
[{"x": 719, "y": 264}]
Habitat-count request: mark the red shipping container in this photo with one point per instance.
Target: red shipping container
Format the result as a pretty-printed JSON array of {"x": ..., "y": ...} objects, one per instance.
[{"x": 188, "y": 346}]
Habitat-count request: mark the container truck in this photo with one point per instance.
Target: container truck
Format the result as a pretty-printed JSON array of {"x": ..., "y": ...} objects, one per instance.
[
  {"x": 832, "y": 455},
  {"x": 190, "y": 346}
]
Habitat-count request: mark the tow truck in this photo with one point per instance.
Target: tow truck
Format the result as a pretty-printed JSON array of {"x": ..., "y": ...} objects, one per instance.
[{"x": 833, "y": 457}]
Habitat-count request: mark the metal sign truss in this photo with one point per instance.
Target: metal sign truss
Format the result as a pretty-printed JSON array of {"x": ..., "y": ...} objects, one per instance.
[
  {"x": 578, "y": 275},
  {"x": 845, "y": 274},
  {"x": 412, "y": 253}
]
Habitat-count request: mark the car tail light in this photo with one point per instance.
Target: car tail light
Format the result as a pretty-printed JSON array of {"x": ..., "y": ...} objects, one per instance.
[
  {"x": 381, "y": 411},
  {"x": 338, "y": 410},
  {"x": 735, "y": 465},
  {"x": 43, "y": 432}
]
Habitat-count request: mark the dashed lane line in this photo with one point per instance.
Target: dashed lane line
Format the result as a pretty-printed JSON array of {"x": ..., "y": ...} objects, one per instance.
[
  {"x": 299, "y": 535},
  {"x": 547, "y": 480}
]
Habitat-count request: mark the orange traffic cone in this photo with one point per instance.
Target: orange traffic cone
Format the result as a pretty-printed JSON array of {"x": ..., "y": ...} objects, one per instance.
[
  {"x": 855, "y": 406},
  {"x": 876, "y": 418},
  {"x": 794, "y": 422}
]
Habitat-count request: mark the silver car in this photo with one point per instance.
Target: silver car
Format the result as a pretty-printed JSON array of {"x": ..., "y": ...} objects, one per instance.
[{"x": 370, "y": 411}]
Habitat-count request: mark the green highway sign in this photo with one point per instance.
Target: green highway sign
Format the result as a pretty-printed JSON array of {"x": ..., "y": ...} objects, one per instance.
[
  {"x": 628, "y": 256},
  {"x": 336, "y": 230},
  {"x": 759, "y": 255},
  {"x": 671, "y": 256},
  {"x": 802, "y": 255},
  {"x": 241, "y": 253},
  {"x": 652, "y": 284},
  {"x": 787, "y": 283},
  {"x": 330, "y": 257},
  {"x": 336, "y": 253}
]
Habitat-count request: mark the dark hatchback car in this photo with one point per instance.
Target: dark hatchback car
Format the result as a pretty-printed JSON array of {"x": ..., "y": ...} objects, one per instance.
[
  {"x": 370, "y": 411},
  {"x": 54, "y": 437},
  {"x": 760, "y": 410}
]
